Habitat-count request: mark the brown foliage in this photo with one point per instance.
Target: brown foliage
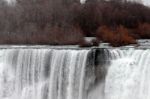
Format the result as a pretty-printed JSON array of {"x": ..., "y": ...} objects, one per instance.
[
  {"x": 105, "y": 34},
  {"x": 143, "y": 31},
  {"x": 124, "y": 36},
  {"x": 116, "y": 37}
]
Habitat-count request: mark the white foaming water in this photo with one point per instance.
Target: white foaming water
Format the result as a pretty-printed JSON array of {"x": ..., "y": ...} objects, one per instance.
[
  {"x": 42, "y": 73},
  {"x": 129, "y": 75}
]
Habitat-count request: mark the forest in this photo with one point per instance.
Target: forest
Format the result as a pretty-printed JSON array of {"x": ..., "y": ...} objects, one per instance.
[{"x": 67, "y": 22}]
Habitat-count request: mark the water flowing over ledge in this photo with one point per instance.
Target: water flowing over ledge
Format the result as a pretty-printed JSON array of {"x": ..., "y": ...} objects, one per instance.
[
  {"x": 73, "y": 73},
  {"x": 128, "y": 75}
]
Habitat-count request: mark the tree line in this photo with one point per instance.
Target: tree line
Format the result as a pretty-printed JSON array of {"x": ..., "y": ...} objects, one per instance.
[{"x": 60, "y": 22}]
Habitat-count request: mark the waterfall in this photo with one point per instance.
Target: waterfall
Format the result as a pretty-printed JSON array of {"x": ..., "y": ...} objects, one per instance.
[
  {"x": 54, "y": 73},
  {"x": 42, "y": 73},
  {"x": 128, "y": 76}
]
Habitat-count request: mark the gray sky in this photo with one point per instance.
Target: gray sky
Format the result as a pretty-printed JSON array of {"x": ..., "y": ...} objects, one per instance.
[{"x": 146, "y": 2}]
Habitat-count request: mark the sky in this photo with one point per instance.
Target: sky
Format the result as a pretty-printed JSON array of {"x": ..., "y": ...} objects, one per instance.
[{"x": 146, "y": 2}]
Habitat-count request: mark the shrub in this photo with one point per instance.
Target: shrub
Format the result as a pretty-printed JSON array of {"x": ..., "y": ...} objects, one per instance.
[
  {"x": 116, "y": 37},
  {"x": 124, "y": 37},
  {"x": 105, "y": 34},
  {"x": 143, "y": 31}
]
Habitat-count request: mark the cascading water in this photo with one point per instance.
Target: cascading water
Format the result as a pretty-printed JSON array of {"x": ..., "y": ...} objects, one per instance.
[
  {"x": 42, "y": 73},
  {"x": 47, "y": 73},
  {"x": 128, "y": 75}
]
